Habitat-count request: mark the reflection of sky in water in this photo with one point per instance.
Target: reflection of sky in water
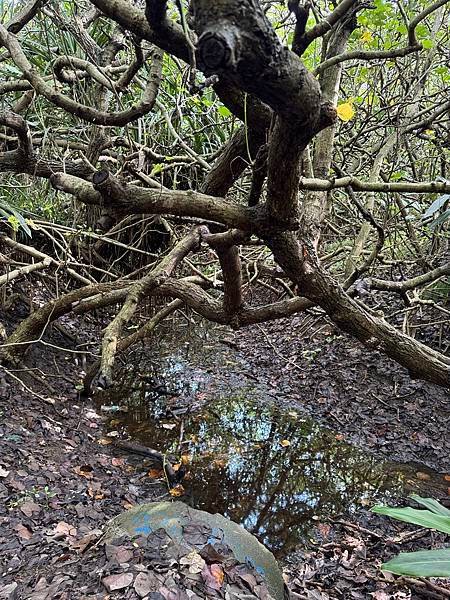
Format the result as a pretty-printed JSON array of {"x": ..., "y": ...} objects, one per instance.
[{"x": 239, "y": 466}]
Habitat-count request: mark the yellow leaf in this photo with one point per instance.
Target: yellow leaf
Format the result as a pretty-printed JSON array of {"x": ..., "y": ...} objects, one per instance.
[
  {"x": 186, "y": 459},
  {"x": 430, "y": 132},
  {"x": 217, "y": 573},
  {"x": 285, "y": 443},
  {"x": 177, "y": 491},
  {"x": 366, "y": 37},
  {"x": 345, "y": 111}
]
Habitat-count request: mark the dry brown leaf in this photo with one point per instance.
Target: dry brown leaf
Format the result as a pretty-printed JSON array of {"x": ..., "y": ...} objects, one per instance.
[
  {"x": 23, "y": 532},
  {"x": 155, "y": 473},
  {"x": 118, "y": 582},
  {"x": 177, "y": 491},
  {"x": 29, "y": 508},
  {"x": 186, "y": 459},
  {"x": 65, "y": 529},
  {"x": 104, "y": 442},
  {"x": 84, "y": 471}
]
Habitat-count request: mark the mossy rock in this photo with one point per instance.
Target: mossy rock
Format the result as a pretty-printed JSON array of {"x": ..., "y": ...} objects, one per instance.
[{"x": 175, "y": 517}]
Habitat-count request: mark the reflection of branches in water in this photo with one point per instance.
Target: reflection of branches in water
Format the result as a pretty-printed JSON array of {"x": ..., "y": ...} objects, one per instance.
[{"x": 273, "y": 490}]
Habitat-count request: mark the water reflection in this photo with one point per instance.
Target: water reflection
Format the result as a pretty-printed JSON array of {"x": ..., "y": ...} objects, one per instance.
[{"x": 272, "y": 471}]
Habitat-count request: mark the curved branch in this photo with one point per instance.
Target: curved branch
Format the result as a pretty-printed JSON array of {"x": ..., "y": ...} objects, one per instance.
[
  {"x": 28, "y": 12},
  {"x": 88, "y": 113},
  {"x": 420, "y": 17},
  {"x": 366, "y": 55},
  {"x": 174, "y": 202},
  {"x": 25, "y": 160},
  {"x": 400, "y": 287},
  {"x": 20, "y": 126},
  {"x": 73, "y": 63},
  {"x": 136, "y": 292},
  {"x": 325, "y": 26},
  {"x": 230, "y": 262},
  {"x": 172, "y": 39}
]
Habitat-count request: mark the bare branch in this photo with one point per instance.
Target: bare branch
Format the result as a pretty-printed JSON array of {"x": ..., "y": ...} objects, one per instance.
[
  {"x": 420, "y": 187},
  {"x": 88, "y": 113},
  {"x": 420, "y": 17}
]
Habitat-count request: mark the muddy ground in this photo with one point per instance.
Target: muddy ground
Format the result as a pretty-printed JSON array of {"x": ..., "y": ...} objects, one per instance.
[{"x": 61, "y": 479}]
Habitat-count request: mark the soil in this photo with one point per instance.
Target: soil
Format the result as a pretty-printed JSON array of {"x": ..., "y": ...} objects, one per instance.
[{"x": 61, "y": 479}]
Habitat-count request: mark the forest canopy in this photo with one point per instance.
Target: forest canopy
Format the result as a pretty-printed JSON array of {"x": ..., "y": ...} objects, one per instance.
[{"x": 247, "y": 159}]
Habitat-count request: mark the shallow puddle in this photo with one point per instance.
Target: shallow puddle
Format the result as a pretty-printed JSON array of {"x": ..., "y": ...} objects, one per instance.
[{"x": 271, "y": 470}]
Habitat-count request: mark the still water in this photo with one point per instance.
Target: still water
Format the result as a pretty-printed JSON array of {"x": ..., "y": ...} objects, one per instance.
[{"x": 266, "y": 467}]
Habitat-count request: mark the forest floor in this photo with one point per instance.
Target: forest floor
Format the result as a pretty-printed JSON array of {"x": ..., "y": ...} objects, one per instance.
[{"x": 61, "y": 479}]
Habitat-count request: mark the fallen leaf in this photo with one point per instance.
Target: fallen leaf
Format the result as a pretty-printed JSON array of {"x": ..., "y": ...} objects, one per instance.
[
  {"x": 177, "y": 491},
  {"x": 3, "y": 472},
  {"x": 195, "y": 562},
  {"x": 104, "y": 442},
  {"x": 95, "y": 494},
  {"x": 119, "y": 554},
  {"x": 29, "y": 508},
  {"x": 23, "y": 532},
  {"x": 117, "y": 462},
  {"x": 143, "y": 584},
  {"x": 446, "y": 477},
  {"x": 155, "y": 473},
  {"x": 8, "y": 592},
  {"x": 118, "y": 582},
  {"x": 285, "y": 443},
  {"x": 186, "y": 459},
  {"x": 86, "y": 541},
  {"x": 339, "y": 437},
  {"x": 64, "y": 529},
  {"x": 84, "y": 471},
  {"x": 217, "y": 573},
  {"x": 211, "y": 577},
  {"x": 169, "y": 426},
  {"x": 324, "y": 529},
  {"x": 380, "y": 595}
]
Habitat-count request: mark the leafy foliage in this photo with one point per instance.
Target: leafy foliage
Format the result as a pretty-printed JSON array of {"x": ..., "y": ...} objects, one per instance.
[{"x": 424, "y": 563}]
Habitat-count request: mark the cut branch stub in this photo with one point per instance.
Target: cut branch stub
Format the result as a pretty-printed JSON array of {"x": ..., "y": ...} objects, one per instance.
[
  {"x": 237, "y": 42},
  {"x": 109, "y": 187},
  {"x": 216, "y": 51}
]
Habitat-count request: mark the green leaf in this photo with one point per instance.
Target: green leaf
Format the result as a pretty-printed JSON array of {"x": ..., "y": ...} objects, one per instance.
[
  {"x": 223, "y": 110},
  {"x": 424, "y": 518},
  {"x": 425, "y": 563},
  {"x": 437, "y": 205},
  {"x": 433, "y": 505},
  {"x": 440, "y": 220}
]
